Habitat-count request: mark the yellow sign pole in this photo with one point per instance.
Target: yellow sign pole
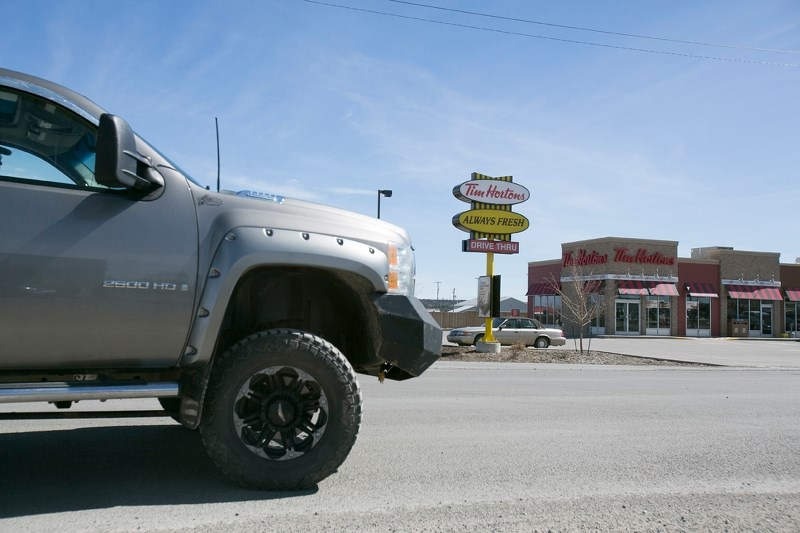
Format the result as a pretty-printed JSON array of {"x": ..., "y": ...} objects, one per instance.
[{"x": 488, "y": 336}]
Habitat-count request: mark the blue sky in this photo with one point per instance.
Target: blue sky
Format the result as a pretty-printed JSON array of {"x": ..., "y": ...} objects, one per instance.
[{"x": 331, "y": 104}]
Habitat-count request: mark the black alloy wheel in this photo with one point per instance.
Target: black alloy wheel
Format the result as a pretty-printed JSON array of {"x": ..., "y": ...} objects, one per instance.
[{"x": 282, "y": 412}]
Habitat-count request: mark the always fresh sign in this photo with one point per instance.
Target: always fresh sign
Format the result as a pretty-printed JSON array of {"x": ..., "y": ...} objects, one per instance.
[{"x": 490, "y": 221}]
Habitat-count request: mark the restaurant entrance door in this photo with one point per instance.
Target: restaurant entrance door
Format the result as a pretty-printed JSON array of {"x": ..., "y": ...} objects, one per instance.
[{"x": 627, "y": 317}]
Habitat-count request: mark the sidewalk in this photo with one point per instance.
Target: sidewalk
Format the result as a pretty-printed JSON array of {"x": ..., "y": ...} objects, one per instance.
[{"x": 748, "y": 352}]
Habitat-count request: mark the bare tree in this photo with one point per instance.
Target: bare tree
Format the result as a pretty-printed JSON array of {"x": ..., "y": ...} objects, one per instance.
[{"x": 580, "y": 298}]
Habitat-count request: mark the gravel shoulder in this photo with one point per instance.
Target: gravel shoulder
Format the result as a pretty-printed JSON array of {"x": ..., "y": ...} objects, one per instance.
[{"x": 519, "y": 354}]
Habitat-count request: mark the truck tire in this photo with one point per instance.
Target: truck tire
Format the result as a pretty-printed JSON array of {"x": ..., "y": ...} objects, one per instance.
[{"x": 282, "y": 411}]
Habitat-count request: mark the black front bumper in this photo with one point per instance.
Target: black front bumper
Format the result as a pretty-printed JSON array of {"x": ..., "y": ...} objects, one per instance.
[{"x": 410, "y": 339}]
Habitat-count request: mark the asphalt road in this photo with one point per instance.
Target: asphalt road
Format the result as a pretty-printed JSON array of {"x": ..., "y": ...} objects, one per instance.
[{"x": 468, "y": 446}]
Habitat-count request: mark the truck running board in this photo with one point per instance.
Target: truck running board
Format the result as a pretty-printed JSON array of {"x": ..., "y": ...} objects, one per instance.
[
  {"x": 60, "y": 415},
  {"x": 70, "y": 392}
]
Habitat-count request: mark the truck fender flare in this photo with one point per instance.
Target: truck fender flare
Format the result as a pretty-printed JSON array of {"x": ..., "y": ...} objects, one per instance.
[{"x": 247, "y": 248}]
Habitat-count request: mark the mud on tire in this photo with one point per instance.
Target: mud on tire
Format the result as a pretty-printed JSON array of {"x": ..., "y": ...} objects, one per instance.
[{"x": 282, "y": 411}]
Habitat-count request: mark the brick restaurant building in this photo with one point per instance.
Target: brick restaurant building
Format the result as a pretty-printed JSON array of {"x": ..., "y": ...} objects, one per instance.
[{"x": 642, "y": 287}]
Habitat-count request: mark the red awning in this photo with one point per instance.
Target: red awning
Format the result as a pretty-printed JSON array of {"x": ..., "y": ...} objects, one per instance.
[
  {"x": 793, "y": 294},
  {"x": 699, "y": 290},
  {"x": 741, "y": 291},
  {"x": 769, "y": 293},
  {"x": 629, "y": 286},
  {"x": 664, "y": 289},
  {"x": 754, "y": 292},
  {"x": 544, "y": 288}
]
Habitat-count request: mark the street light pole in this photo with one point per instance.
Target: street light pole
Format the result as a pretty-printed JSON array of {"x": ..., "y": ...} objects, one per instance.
[{"x": 383, "y": 192}]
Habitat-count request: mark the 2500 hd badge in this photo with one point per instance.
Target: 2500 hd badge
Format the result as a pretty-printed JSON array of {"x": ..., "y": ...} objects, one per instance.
[{"x": 155, "y": 285}]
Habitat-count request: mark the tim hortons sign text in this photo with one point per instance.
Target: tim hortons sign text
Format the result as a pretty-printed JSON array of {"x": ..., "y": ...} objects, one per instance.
[
  {"x": 621, "y": 255},
  {"x": 491, "y": 191}
]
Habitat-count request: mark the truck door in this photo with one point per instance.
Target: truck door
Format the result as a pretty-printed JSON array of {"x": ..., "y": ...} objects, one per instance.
[{"x": 89, "y": 276}]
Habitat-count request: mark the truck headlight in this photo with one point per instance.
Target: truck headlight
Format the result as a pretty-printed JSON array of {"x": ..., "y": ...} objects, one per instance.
[{"x": 400, "y": 279}]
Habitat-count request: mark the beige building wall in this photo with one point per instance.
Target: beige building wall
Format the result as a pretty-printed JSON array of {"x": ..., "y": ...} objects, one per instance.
[
  {"x": 743, "y": 265},
  {"x": 748, "y": 267}
]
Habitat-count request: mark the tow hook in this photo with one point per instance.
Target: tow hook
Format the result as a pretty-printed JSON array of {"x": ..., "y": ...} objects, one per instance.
[{"x": 385, "y": 367}]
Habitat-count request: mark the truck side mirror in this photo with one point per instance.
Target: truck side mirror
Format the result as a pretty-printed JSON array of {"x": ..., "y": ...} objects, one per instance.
[{"x": 116, "y": 160}]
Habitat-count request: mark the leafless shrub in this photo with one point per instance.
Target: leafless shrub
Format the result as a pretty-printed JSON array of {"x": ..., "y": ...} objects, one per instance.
[
  {"x": 517, "y": 349},
  {"x": 581, "y": 297}
]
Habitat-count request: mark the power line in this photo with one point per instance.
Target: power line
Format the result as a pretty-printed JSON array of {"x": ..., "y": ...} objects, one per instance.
[
  {"x": 533, "y": 36},
  {"x": 579, "y": 28}
]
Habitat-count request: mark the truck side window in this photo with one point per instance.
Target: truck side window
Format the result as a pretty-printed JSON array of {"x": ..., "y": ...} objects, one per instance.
[{"x": 44, "y": 143}]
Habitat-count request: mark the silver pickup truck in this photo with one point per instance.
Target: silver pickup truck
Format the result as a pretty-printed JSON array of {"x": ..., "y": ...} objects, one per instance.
[{"x": 245, "y": 314}]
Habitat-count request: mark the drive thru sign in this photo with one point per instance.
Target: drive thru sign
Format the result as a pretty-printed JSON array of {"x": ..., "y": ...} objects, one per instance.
[{"x": 486, "y": 246}]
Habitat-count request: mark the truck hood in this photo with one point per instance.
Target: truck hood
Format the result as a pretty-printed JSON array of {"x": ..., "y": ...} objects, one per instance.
[{"x": 253, "y": 209}]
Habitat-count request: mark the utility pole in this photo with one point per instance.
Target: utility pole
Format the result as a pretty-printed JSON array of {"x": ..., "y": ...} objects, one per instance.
[{"x": 437, "y": 290}]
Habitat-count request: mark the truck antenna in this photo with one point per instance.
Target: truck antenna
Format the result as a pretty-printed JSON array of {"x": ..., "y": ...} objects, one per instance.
[{"x": 216, "y": 123}]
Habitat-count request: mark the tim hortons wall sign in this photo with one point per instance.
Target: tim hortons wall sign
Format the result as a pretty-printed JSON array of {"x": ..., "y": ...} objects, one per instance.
[{"x": 642, "y": 256}]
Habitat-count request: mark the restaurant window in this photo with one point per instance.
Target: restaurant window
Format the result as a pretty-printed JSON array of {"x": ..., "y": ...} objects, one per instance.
[
  {"x": 751, "y": 310},
  {"x": 547, "y": 309},
  {"x": 599, "y": 319},
  {"x": 790, "y": 317},
  {"x": 658, "y": 315},
  {"x": 738, "y": 309},
  {"x": 698, "y": 316}
]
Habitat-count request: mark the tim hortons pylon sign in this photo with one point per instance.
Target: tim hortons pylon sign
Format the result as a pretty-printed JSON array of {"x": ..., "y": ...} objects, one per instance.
[{"x": 490, "y": 221}]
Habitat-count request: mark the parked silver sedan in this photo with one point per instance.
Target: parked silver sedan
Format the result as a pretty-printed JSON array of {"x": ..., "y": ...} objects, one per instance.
[{"x": 511, "y": 330}]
